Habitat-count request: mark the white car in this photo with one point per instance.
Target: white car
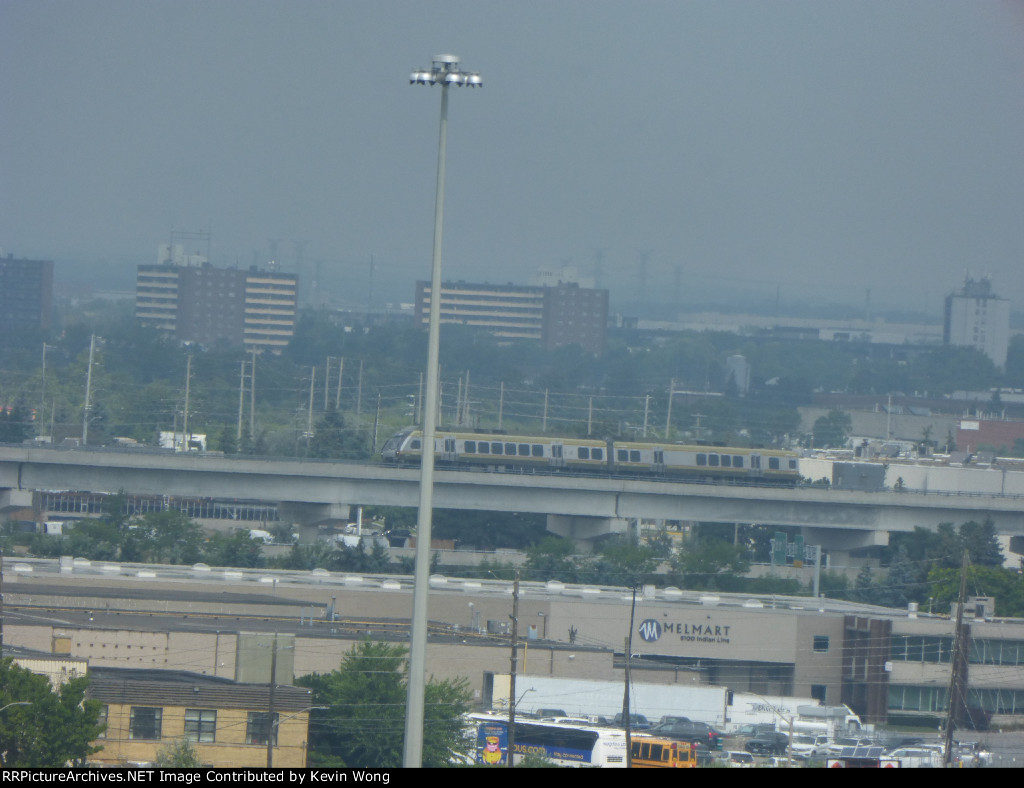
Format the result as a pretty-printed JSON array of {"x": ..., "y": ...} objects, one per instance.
[
  {"x": 738, "y": 759},
  {"x": 784, "y": 763},
  {"x": 917, "y": 757},
  {"x": 810, "y": 746}
]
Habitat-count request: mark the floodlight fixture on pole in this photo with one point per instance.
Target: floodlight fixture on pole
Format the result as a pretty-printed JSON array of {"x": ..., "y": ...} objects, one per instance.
[{"x": 446, "y": 72}]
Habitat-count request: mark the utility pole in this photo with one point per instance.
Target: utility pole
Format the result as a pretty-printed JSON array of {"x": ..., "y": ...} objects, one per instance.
[
  {"x": 337, "y": 395},
  {"x": 376, "y": 424},
  {"x": 501, "y": 403},
  {"x": 668, "y": 418},
  {"x": 359, "y": 392},
  {"x": 88, "y": 392},
  {"x": 512, "y": 676},
  {"x": 327, "y": 381},
  {"x": 1, "y": 603},
  {"x": 252, "y": 399},
  {"x": 626, "y": 718},
  {"x": 270, "y": 711},
  {"x": 958, "y": 668},
  {"x": 309, "y": 418},
  {"x": 544, "y": 425},
  {"x": 698, "y": 417},
  {"x": 188, "y": 385},
  {"x": 241, "y": 404},
  {"x": 647, "y": 408}
]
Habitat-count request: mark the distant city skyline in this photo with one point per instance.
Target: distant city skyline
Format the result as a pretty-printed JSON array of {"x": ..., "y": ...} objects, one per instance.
[{"x": 798, "y": 152}]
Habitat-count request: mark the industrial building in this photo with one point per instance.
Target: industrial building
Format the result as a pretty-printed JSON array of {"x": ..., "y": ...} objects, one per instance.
[{"x": 885, "y": 664}]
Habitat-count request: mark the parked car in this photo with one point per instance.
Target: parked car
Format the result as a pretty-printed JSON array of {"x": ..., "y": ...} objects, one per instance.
[
  {"x": 637, "y": 722},
  {"x": 753, "y": 729},
  {"x": 691, "y": 731},
  {"x": 780, "y": 762},
  {"x": 768, "y": 743},
  {"x": 703, "y": 754},
  {"x": 550, "y": 713},
  {"x": 810, "y": 746},
  {"x": 917, "y": 758},
  {"x": 738, "y": 760},
  {"x": 836, "y": 747}
]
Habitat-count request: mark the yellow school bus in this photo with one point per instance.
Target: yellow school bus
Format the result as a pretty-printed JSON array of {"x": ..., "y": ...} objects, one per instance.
[{"x": 649, "y": 752}]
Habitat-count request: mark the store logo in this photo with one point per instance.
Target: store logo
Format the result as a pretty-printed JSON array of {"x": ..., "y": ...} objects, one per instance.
[{"x": 650, "y": 630}]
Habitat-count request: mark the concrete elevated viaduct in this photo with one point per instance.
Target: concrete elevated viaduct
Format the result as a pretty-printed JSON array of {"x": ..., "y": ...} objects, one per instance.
[{"x": 578, "y": 507}]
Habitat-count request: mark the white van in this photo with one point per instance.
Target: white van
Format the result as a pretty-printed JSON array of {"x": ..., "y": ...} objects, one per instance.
[{"x": 263, "y": 536}]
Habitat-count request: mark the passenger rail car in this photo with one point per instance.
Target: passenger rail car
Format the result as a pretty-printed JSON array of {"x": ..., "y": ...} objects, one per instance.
[{"x": 547, "y": 454}]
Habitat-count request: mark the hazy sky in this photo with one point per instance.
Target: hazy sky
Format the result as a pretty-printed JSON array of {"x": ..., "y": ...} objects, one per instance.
[{"x": 806, "y": 148}]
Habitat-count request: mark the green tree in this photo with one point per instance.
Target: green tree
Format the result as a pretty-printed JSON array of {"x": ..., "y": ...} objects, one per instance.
[
  {"x": 1006, "y": 585},
  {"x": 179, "y": 754},
  {"x": 551, "y": 559},
  {"x": 332, "y": 439},
  {"x": 168, "y": 537},
  {"x": 235, "y": 549},
  {"x": 623, "y": 561},
  {"x": 15, "y": 424},
  {"x": 832, "y": 429},
  {"x": 364, "y": 720},
  {"x": 52, "y": 728},
  {"x": 704, "y": 562}
]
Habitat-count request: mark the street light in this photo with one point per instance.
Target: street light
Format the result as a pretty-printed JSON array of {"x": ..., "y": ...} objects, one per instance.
[{"x": 446, "y": 72}]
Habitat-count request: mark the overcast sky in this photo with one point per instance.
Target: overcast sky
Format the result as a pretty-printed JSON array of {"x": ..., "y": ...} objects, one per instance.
[{"x": 808, "y": 149}]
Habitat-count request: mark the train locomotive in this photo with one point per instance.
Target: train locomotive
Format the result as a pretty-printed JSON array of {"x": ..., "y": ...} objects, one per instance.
[{"x": 549, "y": 454}]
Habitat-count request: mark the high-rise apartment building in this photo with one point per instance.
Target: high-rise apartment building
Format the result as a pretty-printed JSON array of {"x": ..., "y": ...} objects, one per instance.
[
  {"x": 26, "y": 295},
  {"x": 189, "y": 298},
  {"x": 557, "y": 315},
  {"x": 976, "y": 317}
]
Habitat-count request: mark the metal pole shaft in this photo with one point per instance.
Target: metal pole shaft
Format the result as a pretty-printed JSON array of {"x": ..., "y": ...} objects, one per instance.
[{"x": 413, "y": 745}]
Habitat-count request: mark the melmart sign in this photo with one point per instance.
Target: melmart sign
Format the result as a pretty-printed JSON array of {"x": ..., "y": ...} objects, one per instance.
[{"x": 651, "y": 630}]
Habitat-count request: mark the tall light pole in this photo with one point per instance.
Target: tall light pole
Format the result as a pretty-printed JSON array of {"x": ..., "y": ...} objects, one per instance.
[{"x": 443, "y": 71}]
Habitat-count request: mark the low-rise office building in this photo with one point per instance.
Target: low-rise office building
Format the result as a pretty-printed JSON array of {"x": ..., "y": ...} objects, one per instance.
[{"x": 228, "y": 723}]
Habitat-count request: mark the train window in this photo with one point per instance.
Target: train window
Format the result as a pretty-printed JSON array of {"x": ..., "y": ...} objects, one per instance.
[
  {"x": 449, "y": 445},
  {"x": 556, "y": 451},
  {"x": 470, "y": 447},
  {"x": 773, "y": 463},
  {"x": 622, "y": 455},
  {"x": 792, "y": 465},
  {"x": 755, "y": 461},
  {"x": 415, "y": 445},
  {"x": 497, "y": 448},
  {"x": 702, "y": 459},
  {"x": 713, "y": 460},
  {"x": 597, "y": 454},
  {"x": 583, "y": 453},
  {"x": 537, "y": 450},
  {"x": 524, "y": 449},
  {"x": 510, "y": 449},
  {"x": 737, "y": 461},
  {"x": 483, "y": 447},
  {"x": 634, "y": 455},
  {"x": 726, "y": 460}
]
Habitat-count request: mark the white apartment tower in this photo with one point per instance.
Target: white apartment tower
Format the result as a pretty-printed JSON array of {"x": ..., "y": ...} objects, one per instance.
[{"x": 975, "y": 317}]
